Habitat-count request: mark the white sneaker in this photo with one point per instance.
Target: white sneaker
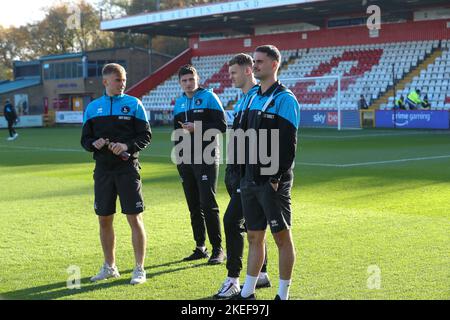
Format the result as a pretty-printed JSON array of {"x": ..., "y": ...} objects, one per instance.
[
  {"x": 228, "y": 290},
  {"x": 15, "y": 136},
  {"x": 138, "y": 276},
  {"x": 106, "y": 272},
  {"x": 9, "y": 139}
]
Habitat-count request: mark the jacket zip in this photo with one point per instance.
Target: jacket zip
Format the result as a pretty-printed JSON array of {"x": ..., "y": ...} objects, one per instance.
[{"x": 110, "y": 113}]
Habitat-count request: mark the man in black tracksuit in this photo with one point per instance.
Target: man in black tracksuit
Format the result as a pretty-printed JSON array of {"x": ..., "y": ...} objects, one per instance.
[
  {"x": 240, "y": 68},
  {"x": 11, "y": 117},
  {"x": 195, "y": 112},
  {"x": 115, "y": 129}
]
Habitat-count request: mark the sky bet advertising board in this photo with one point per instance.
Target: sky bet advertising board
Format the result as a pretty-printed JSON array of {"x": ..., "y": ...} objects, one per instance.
[{"x": 326, "y": 119}]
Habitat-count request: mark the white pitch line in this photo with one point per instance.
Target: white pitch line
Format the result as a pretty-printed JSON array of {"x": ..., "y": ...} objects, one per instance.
[
  {"x": 370, "y": 163},
  {"x": 45, "y": 149},
  {"x": 41, "y": 148},
  {"x": 363, "y": 135},
  {"x": 394, "y": 161},
  {"x": 315, "y": 164},
  {"x": 379, "y": 134}
]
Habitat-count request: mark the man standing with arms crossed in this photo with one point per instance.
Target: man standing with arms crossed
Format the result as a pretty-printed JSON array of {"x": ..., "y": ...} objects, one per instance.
[
  {"x": 115, "y": 129},
  {"x": 266, "y": 198},
  {"x": 240, "y": 68},
  {"x": 196, "y": 111}
]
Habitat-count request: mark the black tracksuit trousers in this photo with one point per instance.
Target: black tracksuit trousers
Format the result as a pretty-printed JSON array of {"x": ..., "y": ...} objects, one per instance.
[
  {"x": 11, "y": 129},
  {"x": 234, "y": 225},
  {"x": 200, "y": 185}
]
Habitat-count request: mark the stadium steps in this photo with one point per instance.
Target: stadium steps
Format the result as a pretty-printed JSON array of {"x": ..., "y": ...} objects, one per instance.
[
  {"x": 407, "y": 79},
  {"x": 367, "y": 59}
]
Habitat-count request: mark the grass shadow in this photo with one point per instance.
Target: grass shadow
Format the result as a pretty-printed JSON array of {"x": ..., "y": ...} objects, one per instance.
[{"x": 60, "y": 290}]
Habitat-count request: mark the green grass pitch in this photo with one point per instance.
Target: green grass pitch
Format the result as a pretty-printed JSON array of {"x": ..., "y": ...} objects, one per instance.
[{"x": 362, "y": 200}]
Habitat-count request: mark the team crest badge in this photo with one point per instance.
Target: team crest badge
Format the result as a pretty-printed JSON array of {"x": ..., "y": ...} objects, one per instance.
[
  {"x": 125, "y": 110},
  {"x": 198, "y": 102}
]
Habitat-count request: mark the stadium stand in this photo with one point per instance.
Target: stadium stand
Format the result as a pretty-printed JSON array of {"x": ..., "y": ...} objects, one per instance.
[
  {"x": 370, "y": 70},
  {"x": 214, "y": 73},
  {"x": 409, "y": 50},
  {"x": 433, "y": 80}
]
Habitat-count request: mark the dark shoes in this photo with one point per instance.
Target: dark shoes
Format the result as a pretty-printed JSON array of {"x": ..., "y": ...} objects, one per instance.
[
  {"x": 250, "y": 297},
  {"x": 217, "y": 256},
  {"x": 277, "y": 297},
  {"x": 197, "y": 254}
]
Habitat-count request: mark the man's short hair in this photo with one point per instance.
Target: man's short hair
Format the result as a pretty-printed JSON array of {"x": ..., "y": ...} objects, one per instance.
[
  {"x": 241, "y": 59},
  {"x": 113, "y": 68},
  {"x": 187, "y": 69},
  {"x": 271, "y": 51}
]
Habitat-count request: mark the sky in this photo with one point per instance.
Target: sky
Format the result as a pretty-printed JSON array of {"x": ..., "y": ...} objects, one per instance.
[{"x": 20, "y": 12}]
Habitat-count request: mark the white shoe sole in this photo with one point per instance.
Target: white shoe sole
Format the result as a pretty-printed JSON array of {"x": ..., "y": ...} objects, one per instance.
[
  {"x": 112, "y": 277},
  {"x": 137, "y": 282}
]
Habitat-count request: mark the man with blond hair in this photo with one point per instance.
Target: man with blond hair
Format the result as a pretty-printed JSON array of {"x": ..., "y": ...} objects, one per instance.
[{"x": 115, "y": 129}]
